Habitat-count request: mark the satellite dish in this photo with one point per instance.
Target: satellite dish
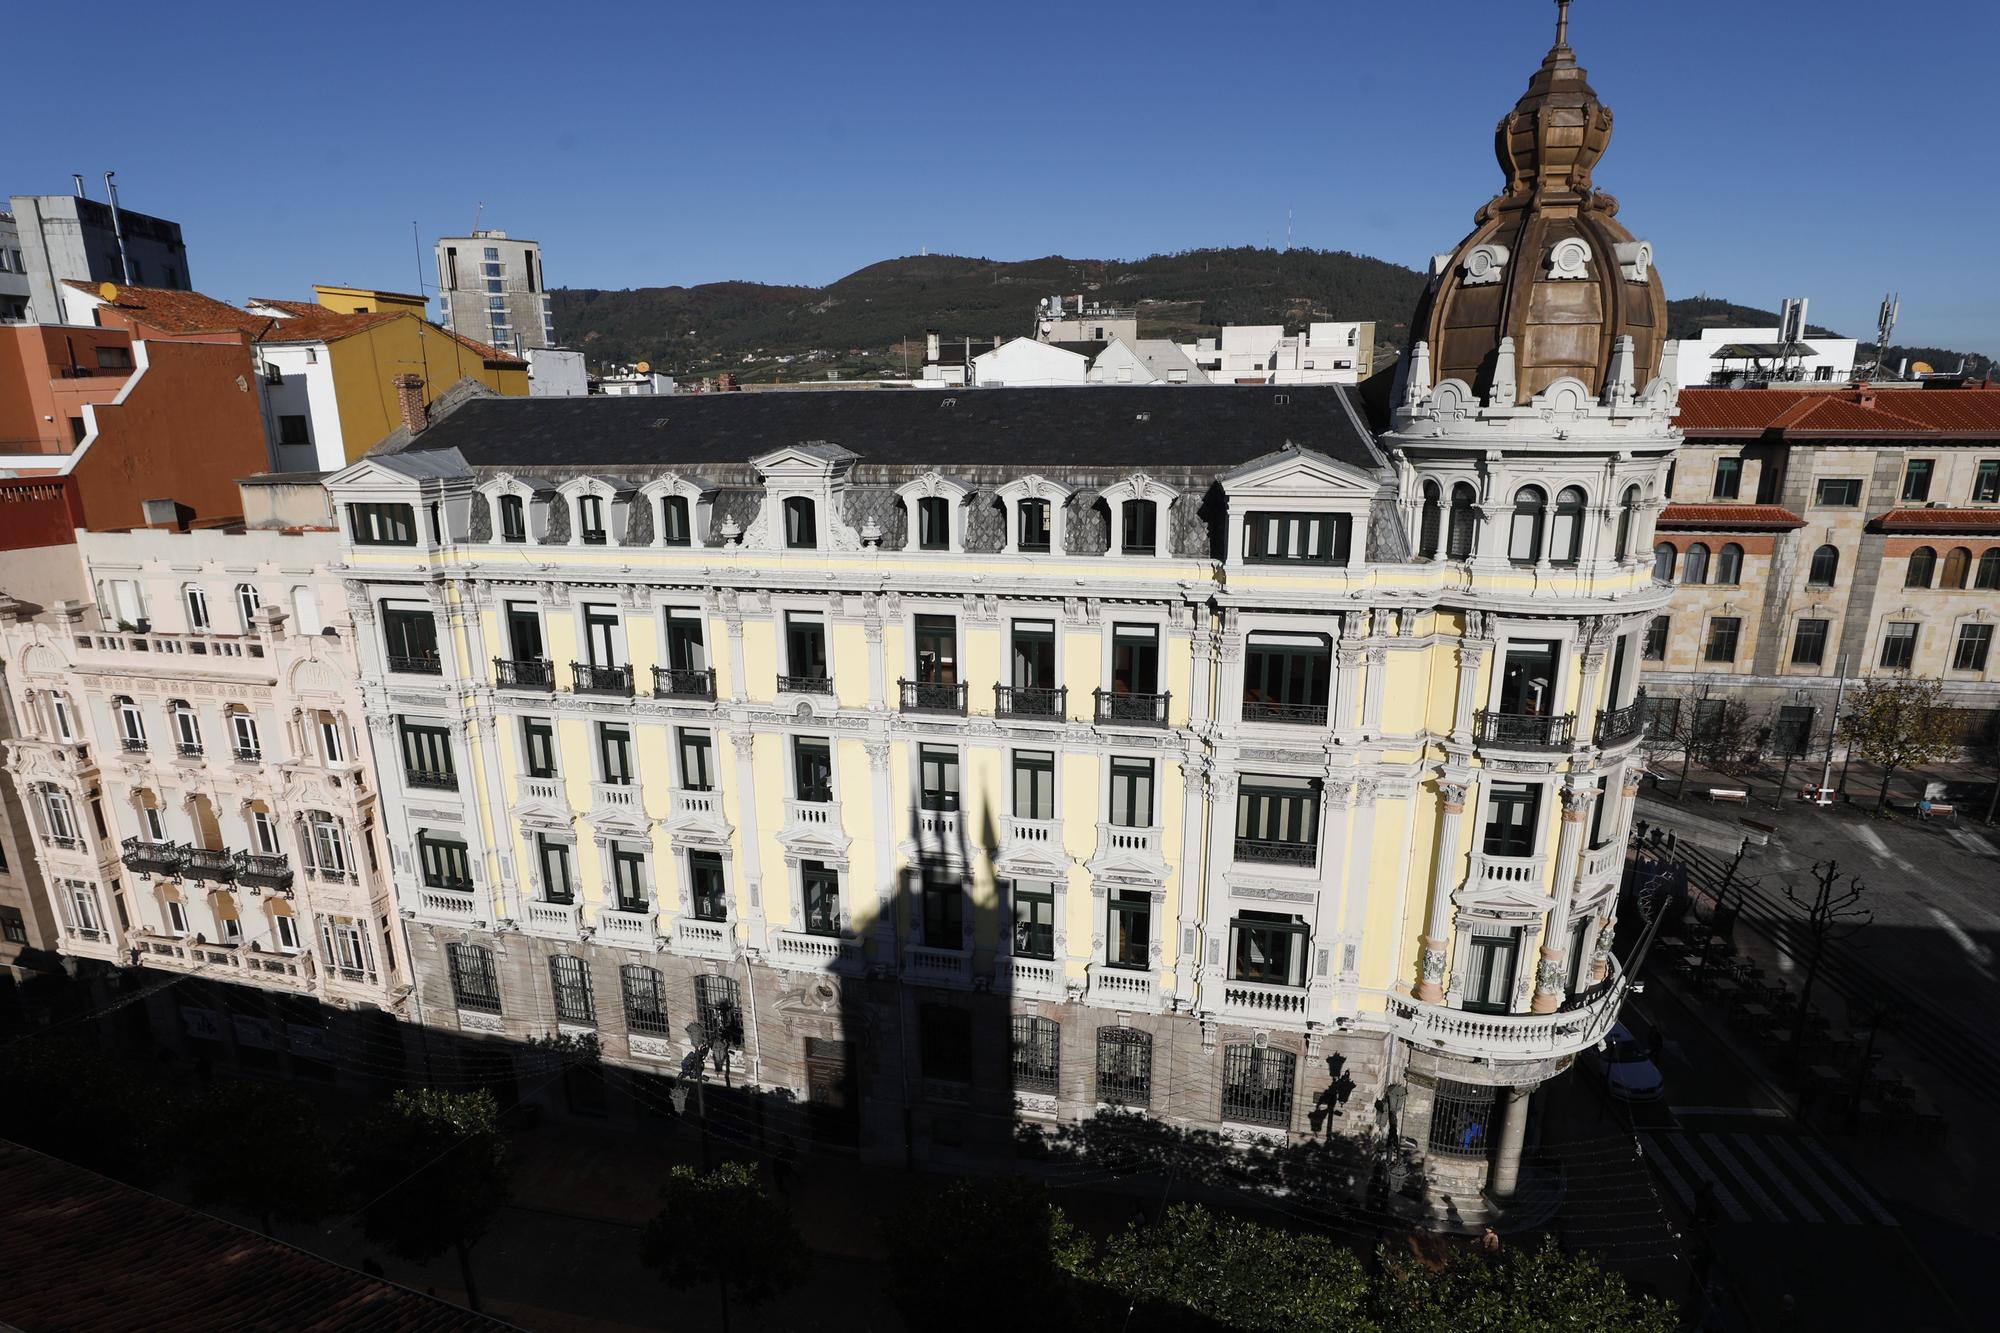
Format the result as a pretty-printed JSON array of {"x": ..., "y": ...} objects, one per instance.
[
  {"x": 644, "y": 367},
  {"x": 1921, "y": 368},
  {"x": 108, "y": 290}
]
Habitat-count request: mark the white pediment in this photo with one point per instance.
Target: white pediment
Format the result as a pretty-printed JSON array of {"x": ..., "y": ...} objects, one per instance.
[
  {"x": 1301, "y": 473},
  {"x": 813, "y": 459}
]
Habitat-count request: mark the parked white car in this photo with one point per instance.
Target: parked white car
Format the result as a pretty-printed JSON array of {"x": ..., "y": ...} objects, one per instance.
[{"x": 1627, "y": 1069}]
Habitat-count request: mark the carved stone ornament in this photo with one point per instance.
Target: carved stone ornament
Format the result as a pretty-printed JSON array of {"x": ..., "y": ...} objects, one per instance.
[
  {"x": 1567, "y": 259},
  {"x": 1485, "y": 264}
]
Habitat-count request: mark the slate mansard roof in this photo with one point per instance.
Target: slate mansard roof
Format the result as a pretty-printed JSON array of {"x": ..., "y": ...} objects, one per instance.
[{"x": 1143, "y": 428}]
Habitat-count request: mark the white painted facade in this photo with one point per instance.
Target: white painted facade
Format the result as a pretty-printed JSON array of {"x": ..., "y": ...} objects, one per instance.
[
  {"x": 1145, "y": 361},
  {"x": 1027, "y": 363},
  {"x": 556, "y": 372},
  {"x": 298, "y": 382},
  {"x": 1327, "y": 352},
  {"x": 1832, "y": 359}
]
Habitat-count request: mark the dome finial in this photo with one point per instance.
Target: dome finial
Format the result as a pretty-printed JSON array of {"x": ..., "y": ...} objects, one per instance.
[{"x": 1562, "y": 22}]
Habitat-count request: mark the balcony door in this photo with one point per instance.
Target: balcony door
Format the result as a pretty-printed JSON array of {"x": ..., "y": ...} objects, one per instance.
[
  {"x": 1034, "y": 655},
  {"x": 685, "y": 649},
  {"x": 1528, "y": 679},
  {"x": 603, "y": 637},
  {"x": 524, "y": 631},
  {"x": 1135, "y": 659},
  {"x": 1489, "y": 973},
  {"x": 937, "y": 650}
]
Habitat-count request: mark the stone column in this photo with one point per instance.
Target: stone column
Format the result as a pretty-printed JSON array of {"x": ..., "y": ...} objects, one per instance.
[
  {"x": 1221, "y": 856},
  {"x": 732, "y": 612},
  {"x": 1346, "y": 681},
  {"x": 742, "y": 739},
  {"x": 885, "y": 851},
  {"x": 1471, "y": 656},
  {"x": 1511, "y": 1109},
  {"x": 1555, "y": 934},
  {"x": 1430, "y": 988},
  {"x": 1378, "y": 681}
]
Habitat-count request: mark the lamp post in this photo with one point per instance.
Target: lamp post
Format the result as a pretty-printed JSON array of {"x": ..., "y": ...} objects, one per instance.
[{"x": 1832, "y": 732}]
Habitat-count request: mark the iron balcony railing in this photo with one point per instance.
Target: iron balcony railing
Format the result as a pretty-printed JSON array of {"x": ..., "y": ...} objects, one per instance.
[
  {"x": 930, "y": 696},
  {"x": 261, "y": 870},
  {"x": 154, "y": 858},
  {"x": 248, "y": 755},
  {"x": 208, "y": 863},
  {"x": 602, "y": 679},
  {"x": 1523, "y": 731},
  {"x": 132, "y": 744},
  {"x": 1276, "y": 852},
  {"x": 188, "y": 749},
  {"x": 805, "y": 684},
  {"x": 1133, "y": 709},
  {"x": 1033, "y": 701},
  {"x": 435, "y": 779},
  {"x": 1266, "y": 710},
  {"x": 524, "y": 673},
  {"x": 1618, "y": 725},
  {"x": 426, "y": 665},
  {"x": 684, "y": 683}
]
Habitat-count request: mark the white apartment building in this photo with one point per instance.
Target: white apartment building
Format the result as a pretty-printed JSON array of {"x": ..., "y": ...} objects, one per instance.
[{"x": 1323, "y": 353}]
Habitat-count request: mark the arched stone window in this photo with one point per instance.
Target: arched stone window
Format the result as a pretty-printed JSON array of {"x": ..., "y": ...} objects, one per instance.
[
  {"x": 195, "y": 598},
  {"x": 1957, "y": 563},
  {"x": 934, "y": 506},
  {"x": 1139, "y": 516},
  {"x": 1989, "y": 569},
  {"x": 1825, "y": 567},
  {"x": 1729, "y": 564},
  {"x": 1037, "y": 515},
  {"x": 1432, "y": 527},
  {"x": 1923, "y": 563},
  {"x": 1665, "y": 556},
  {"x": 1566, "y": 533},
  {"x": 1462, "y": 537},
  {"x": 247, "y": 602},
  {"x": 1524, "y": 537},
  {"x": 1694, "y": 569},
  {"x": 1628, "y": 521}
]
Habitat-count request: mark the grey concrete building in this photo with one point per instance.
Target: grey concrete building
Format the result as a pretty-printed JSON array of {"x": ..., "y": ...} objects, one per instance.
[
  {"x": 490, "y": 286},
  {"x": 13, "y": 273},
  {"x": 64, "y": 236}
]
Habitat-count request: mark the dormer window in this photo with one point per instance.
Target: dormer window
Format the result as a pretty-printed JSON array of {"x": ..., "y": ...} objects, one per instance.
[
  {"x": 1139, "y": 527},
  {"x": 590, "y": 520},
  {"x": 382, "y": 524},
  {"x": 1320, "y": 538},
  {"x": 675, "y": 527},
  {"x": 801, "y": 524},
  {"x": 934, "y": 524},
  {"x": 1462, "y": 537},
  {"x": 1524, "y": 540},
  {"x": 1032, "y": 525},
  {"x": 513, "y": 519}
]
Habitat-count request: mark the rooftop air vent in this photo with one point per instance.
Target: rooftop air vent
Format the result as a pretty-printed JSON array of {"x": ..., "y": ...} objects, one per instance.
[
  {"x": 1143, "y": 416},
  {"x": 1281, "y": 399},
  {"x": 949, "y": 402},
  {"x": 659, "y": 423}
]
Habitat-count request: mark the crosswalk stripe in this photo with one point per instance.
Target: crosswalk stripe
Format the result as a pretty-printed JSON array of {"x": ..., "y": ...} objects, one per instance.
[
  {"x": 1860, "y": 1191},
  {"x": 1747, "y": 1143},
  {"x": 1666, "y": 1170},
  {"x": 1723, "y": 1198},
  {"x": 1740, "y": 1178},
  {"x": 1783, "y": 1147}
]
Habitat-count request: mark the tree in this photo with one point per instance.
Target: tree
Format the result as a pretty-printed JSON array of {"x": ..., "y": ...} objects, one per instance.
[
  {"x": 259, "y": 1147},
  {"x": 1830, "y": 914},
  {"x": 1199, "y": 1269},
  {"x": 1898, "y": 724},
  {"x": 1716, "y": 731},
  {"x": 1520, "y": 1291},
  {"x": 432, "y": 1167},
  {"x": 973, "y": 1229},
  {"x": 720, "y": 1226},
  {"x": 66, "y": 1098}
]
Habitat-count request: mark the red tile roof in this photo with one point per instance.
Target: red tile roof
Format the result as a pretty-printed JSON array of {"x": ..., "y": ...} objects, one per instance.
[
  {"x": 175, "y": 311},
  {"x": 1842, "y": 413},
  {"x": 108, "y": 1257},
  {"x": 1940, "y": 520},
  {"x": 1728, "y": 516}
]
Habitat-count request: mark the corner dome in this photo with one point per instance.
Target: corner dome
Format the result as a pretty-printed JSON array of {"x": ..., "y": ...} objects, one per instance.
[{"x": 1547, "y": 264}]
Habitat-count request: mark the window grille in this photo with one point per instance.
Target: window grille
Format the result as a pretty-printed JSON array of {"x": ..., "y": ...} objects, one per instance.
[
  {"x": 719, "y": 1010},
  {"x": 1037, "y": 1053},
  {"x": 570, "y": 980},
  {"x": 1257, "y": 1085},
  {"x": 1461, "y": 1117},
  {"x": 1124, "y": 1066},
  {"x": 473, "y": 985},
  {"x": 645, "y": 1000}
]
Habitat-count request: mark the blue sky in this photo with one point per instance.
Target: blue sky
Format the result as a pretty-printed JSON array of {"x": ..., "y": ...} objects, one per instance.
[{"x": 1829, "y": 149}]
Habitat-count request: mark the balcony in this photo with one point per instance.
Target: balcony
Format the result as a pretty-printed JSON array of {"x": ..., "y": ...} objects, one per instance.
[
  {"x": 1601, "y": 863},
  {"x": 626, "y": 930},
  {"x": 208, "y": 864},
  {"x": 590, "y": 679},
  {"x": 1616, "y": 726},
  {"x": 132, "y": 744},
  {"x": 1284, "y": 714},
  {"x": 187, "y": 749},
  {"x": 1277, "y": 852},
  {"x": 1127, "y": 840},
  {"x": 804, "y": 952},
  {"x": 1523, "y": 731},
  {"x": 1260, "y": 1001},
  {"x": 426, "y": 665},
  {"x": 524, "y": 673},
  {"x": 150, "y": 858},
  {"x": 1039, "y": 834},
  {"x": 812, "y": 816},
  {"x": 684, "y": 683},
  {"x": 618, "y": 798},
  {"x": 704, "y": 939},
  {"x": 931, "y": 696},
  {"x": 937, "y": 967},
  {"x": 453, "y": 907},
  {"x": 1033, "y": 703},
  {"x": 244, "y": 755},
  {"x": 1031, "y": 978},
  {"x": 1131, "y": 709},
  {"x": 553, "y": 921},
  {"x": 1511, "y": 1036},
  {"x": 704, "y": 806},
  {"x": 1509, "y": 872},
  {"x": 430, "y": 779},
  {"x": 937, "y": 832},
  {"x": 1123, "y": 988},
  {"x": 259, "y": 870},
  {"x": 542, "y": 790},
  {"x": 805, "y": 685}
]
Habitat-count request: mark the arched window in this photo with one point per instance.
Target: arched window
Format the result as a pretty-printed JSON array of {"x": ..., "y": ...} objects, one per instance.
[
  {"x": 1566, "y": 534},
  {"x": 801, "y": 524},
  {"x": 1524, "y": 539},
  {"x": 1033, "y": 531},
  {"x": 1433, "y": 522},
  {"x": 1628, "y": 520},
  {"x": 1694, "y": 569},
  {"x": 131, "y": 723},
  {"x": 1462, "y": 538},
  {"x": 675, "y": 529},
  {"x": 513, "y": 519},
  {"x": 187, "y": 728},
  {"x": 247, "y": 602},
  {"x": 1825, "y": 566},
  {"x": 1923, "y": 563},
  {"x": 1729, "y": 565},
  {"x": 1139, "y": 527},
  {"x": 195, "y": 598},
  {"x": 1665, "y": 556},
  {"x": 1989, "y": 569},
  {"x": 1957, "y": 564}
]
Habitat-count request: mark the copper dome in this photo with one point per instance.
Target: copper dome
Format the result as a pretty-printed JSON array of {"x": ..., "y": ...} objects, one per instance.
[{"x": 1547, "y": 264}]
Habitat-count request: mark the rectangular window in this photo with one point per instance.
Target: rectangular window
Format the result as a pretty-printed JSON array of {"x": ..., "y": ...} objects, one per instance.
[
  {"x": 1135, "y": 659},
  {"x": 590, "y": 519},
  {"x": 938, "y": 777},
  {"x": 944, "y": 1042},
  {"x": 614, "y": 753},
  {"x": 805, "y": 647},
  {"x": 1528, "y": 677},
  {"x": 1034, "y": 784},
  {"x": 131, "y": 723},
  {"x": 1986, "y": 481},
  {"x": 1257, "y": 1084},
  {"x": 1809, "y": 642},
  {"x": 706, "y": 887},
  {"x": 933, "y": 524},
  {"x": 288, "y": 932},
  {"x": 1837, "y": 492},
  {"x": 1124, "y": 1066},
  {"x": 513, "y": 519},
  {"x": 1034, "y": 654},
  {"x": 1311, "y": 538},
  {"x": 645, "y": 995},
  {"x": 686, "y": 646},
  {"x": 1034, "y": 533},
  {"x": 801, "y": 524},
  {"x": 937, "y": 650},
  {"x": 1969, "y": 653},
  {"x": 1728, "y": 478},
  {"x": 1139, "y": 521},
  {"x": 1286, "y": 678},
  {"x": 409, "y": 637},
  {"x": 1037, "y": 1054},
  {"x": 569, "y": 981},
  {"x": 944, "y": 912},
  {"x": 628, "y": 877},
  {"x": 1655, "y": 647},
  {"x": 1917, "y": 478},
  {"x": 524, "y": 631},
  {"x": 1268, "y": 947},
  {"x": 427, "y": 756},
  {"x": 1131, "y": 929},
  {"x": 675, "y": 530},
  {"x": 382, "y": 524},
  {"x": 1034, "y": 919},
  {"x": 1794, "y": 730},
  {"x": 1512, "y": 809},
  {"x": 558, "y": 884},
  {"x": 1277, "y": 819},
  {"x": 445, "y": 862},
  {"x": 1132, "y": 793},
  {"x": 820, "y": 886},
  {"x": 1723, "y": 632},
  {"x": 697, "y": 767},
  {"x": 812, "y": 769},
  {"x": 603, "y": 638},
  {"x": 538, "y": 746},
  {"x": 243, "y": 732},
  {"x": 292, "y": 429},
  {"x": 264, "y": 830},
  {"x": 1489, "y": 973},
  {"x": 1899, "y": 645}
]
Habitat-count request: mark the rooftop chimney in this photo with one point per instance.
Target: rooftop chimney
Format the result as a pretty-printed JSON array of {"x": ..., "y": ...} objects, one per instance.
[
  {"x": 410, "y": 402},
  {"x": 930, "y": 346}
]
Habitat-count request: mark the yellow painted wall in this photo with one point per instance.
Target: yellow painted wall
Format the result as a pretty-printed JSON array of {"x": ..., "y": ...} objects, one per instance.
[{"x": 365, "y": 367}]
